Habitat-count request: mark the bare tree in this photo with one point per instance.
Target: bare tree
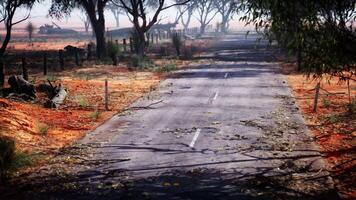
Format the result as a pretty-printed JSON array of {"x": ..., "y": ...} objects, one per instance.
[
  {"x": 186, "y": 12},
  {"x": 8, "y": 10},
  {"x": 116, "y": 11},
  {"x": 95, "y": 12},
  {"x": 138, "y": 9},
  {"x": 226, "y": 8},
  {"x": 206, "y": 13},
  {"x": 86, "y": 21},
  {"x": 30, "y": 28}
]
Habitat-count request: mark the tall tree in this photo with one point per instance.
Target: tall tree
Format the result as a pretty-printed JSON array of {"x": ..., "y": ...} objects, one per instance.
[
  {"x": 322, "y": 32},
  {"x": 30, "y": 28},
  {"x": 86, "y": 21},
  {"x": 8, "y": 9},
  {"x": 226, "y": 8},
  {"x": 139, "y": 12},
  {"x": 206, "y": 13},
  {"x": 116, "y": 11},
  {"x": 95, "y": 12},
  {"x": 186, "y": 12}
]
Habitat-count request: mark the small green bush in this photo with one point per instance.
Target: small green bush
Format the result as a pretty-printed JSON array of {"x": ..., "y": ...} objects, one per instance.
[
  {"x": 82, "y": 101},
  {"x": 7, "y": 154},
  {"x": 167, "y": 68},
  {"x": 113, "y": 51},
  {"x": 326, "y": 103},
  {"x": 95, "y": 115},
  {"x": 140, "y": 63},
  {"x": 42, "y": 128}
]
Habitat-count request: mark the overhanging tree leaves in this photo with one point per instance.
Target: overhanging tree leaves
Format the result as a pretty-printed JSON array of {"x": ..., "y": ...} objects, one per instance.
[{"x": 321, "y": 33}]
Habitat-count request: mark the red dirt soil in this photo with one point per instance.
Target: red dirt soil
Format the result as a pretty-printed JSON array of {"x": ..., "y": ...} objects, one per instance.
[
  {"x": 332, "y": 125},
  {"x": 22, "y": 120}
]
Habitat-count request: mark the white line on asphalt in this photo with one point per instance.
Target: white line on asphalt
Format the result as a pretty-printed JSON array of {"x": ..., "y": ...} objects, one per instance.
[
  {"x": 196, "y": 135},
  {"x": 226, "y": 74},
  {"x": 216, "y": 95}
]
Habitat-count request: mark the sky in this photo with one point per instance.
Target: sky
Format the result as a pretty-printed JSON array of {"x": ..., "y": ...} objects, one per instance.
[{"x": 39, "y": 16}]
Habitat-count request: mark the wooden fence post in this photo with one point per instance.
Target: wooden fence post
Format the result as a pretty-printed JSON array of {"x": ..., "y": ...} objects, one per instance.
[
  {"x": 77, "y": 62},
  {"x": 2, "y": 74},
  {"x": 106, "y": 95},
  {"x": 125, "y": 45},
  {"x": 317, "y": 90},
  {"x": 61, "y": 59},
  {"x": 89, "y": 51},
  {"x": 131, "y": 45},
  {"x": 24, "y": 68},
  {"x": 45, "y": 64}
]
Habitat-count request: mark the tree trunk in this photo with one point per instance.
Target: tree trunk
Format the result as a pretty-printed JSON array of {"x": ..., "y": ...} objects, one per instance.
[
  {"x": 5, "y": 42},
  {"x": 202, "y": 29},
  {"x": 2, "y": 74},
  {"x": 100, "y": 40}
]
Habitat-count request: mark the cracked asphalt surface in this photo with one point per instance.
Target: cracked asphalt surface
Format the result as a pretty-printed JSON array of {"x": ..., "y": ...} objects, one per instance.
[{"x": 224, "y": 128}]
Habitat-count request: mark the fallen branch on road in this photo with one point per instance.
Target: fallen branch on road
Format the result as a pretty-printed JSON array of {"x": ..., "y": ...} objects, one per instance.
[{"x": 143, "y": 107}]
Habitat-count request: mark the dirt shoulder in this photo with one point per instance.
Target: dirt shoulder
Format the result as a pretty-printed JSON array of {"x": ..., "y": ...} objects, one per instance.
[
  {"x": 36, "y": 129},
  {"x": 332, "y": 125}
]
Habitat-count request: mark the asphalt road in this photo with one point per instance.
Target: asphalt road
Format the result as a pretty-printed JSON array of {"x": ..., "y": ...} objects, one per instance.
[{"x": 225, "y": 128}]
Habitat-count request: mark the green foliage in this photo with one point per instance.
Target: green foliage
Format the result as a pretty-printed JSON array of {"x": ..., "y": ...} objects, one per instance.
[
  {"x": 42, "y": 128},
  {"x": 177, "y": 42},
  {"x": 333, "y": 119},
  {"x": 166, "y": 68},
  {"x": 326, "y": 102},
  {"x": 7, "y": 154},
  {"x": 140, "y": 63},
  {"x": 317, "y": 32},
  {"x": 113, "y": 50},
  {"x": 21, "y": 159},
  {"x": 51, "y": 77},
  {"x": 82, "y": 101},
  {"x": 95, "y": 115}
]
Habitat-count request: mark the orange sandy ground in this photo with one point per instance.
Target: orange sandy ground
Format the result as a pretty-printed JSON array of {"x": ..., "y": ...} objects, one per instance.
[
  {"x": 71, "y": 121},
  {"x": 332, "y": 125}
]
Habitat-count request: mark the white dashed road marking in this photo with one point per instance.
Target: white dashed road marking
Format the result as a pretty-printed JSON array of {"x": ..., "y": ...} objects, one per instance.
[{"x": 196, "y": 135}]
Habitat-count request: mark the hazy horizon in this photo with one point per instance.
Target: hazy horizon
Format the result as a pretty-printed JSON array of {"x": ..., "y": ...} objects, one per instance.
[{"x": 39, "y": 16}]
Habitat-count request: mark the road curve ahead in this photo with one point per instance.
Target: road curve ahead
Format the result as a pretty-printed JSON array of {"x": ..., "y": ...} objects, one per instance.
[{"x": 224, "y": 128}]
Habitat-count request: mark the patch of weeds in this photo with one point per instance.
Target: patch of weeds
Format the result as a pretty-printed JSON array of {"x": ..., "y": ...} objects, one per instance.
[
  {"x": 332, "y": 119},
  {"x": 326, "y": 103},
  {"x": 95, "y": 115},
  {"x": 140, "y": 63},
  {"x": 51, "y": 77},
  {"x": 22, "y": 159},
  {"x": 33, "y": 81},
  {"x": 42, "y": 128},
  {"x": 166, "y": 68},
  {"x": 82, "y": 101}
]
